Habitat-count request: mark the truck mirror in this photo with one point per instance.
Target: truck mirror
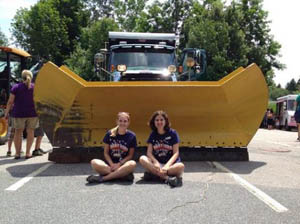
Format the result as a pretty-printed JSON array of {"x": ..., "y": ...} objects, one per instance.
[{"x": 99, "y": 57}]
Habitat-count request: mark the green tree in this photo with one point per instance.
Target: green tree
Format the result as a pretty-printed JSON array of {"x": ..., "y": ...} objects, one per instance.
[
  {"x": 211, "y": 32},
  {"x": 3, "y": 39},
  {"x": 275, "y": 92},
  {"x": 234, "y": 35},
  {"x": 101, "y": 9},
  {"x": 152, "y": 20},
  {"x": 174, "y": 14},
  {"x": 263, "y": 47},
  {"x": 92, "y": 40},
  {"x": 298, "y": 85},
  {"x": 164, "y": 16},
  {"x": 127, "y": 13},
  {"x": 50, "y": 28},
  {"x": 291, "y": 86}
]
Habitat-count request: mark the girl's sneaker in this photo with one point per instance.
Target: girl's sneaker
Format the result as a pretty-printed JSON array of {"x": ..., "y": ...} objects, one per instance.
[
  {"x": 8, "y": 154},
  {"x": 94, "y": 179},
  {"x": 129, "y": 177},
  {"x": 174, "y": 181}
]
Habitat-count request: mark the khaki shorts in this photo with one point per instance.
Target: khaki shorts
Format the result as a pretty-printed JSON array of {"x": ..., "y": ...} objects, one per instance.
[{"x": 26, "y": 122}]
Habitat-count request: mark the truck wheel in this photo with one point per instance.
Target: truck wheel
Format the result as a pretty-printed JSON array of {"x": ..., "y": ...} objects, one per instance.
[{"x": 3, "y": 131}]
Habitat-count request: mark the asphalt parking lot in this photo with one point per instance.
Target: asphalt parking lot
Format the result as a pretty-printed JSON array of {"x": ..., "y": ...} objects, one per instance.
[{"x": 264, "y": 190}]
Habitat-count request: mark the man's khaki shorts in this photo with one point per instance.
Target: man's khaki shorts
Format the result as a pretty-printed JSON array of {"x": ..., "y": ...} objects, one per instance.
[{"x": 26, "y": 122}]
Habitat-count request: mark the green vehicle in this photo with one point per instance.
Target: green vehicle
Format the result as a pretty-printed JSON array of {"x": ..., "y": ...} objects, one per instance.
[{"x": 193, "y": 63}]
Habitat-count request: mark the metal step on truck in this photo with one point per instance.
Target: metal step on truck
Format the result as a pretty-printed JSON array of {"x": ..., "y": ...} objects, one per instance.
[{"x": 139, "y": 73}]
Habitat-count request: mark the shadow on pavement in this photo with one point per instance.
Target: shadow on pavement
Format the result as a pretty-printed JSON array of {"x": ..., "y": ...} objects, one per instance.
[
  {"x": 76, "y": 169},
  {"x": 9, "y": 160},
  {"x": 111, "y": 182}
]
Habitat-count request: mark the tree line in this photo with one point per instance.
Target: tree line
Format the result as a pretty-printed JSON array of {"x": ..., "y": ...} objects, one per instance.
[
  {"x": 291, "y": 87},
  {"x": 71, "y": 32}
]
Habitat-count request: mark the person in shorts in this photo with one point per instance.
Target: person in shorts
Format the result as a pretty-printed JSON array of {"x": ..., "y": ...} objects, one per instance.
[
  {"x": 119, "y": 145},
  {"x": 23, "y": 113},
  {"x": 162, "y": 159}
]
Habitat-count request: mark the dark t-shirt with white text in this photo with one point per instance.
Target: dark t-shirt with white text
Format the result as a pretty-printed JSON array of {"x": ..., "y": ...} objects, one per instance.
[
  {"x": 163, "y": 144},
  {"x": 119, "y": 145}
]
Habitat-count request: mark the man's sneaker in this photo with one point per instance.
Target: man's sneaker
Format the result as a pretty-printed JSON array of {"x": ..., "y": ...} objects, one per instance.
[
  {"x": 36, "y": 152},
  {"x": 8, "y": 154},
  {"x": 174, "y": 181},
  {"x": 129, "y": 177},
  {"x": 94, "y": 179}
]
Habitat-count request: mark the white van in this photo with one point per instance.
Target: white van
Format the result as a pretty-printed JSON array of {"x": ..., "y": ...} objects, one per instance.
[{"x": 285, "y": 110}]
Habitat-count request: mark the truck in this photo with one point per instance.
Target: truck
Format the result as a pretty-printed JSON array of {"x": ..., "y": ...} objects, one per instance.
[
  {"x": 140, "y": 74},
  {"x": 285, "y": 110},
  {"x": 12, "y": 61}
]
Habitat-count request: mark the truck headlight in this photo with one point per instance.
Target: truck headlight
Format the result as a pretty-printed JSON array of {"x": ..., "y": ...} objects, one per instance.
[
  {"x": 121, "y": 68},
  {"x": 172, "y": 68}
]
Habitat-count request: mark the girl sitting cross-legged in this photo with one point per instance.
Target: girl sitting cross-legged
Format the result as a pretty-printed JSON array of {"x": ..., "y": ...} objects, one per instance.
[
  {"x": 118, "y": 152},
  {"x": 162, "y": 160}
]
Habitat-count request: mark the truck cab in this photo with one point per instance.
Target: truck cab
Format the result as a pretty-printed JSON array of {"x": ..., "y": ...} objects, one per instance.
[{"x": 142, "y": 57}]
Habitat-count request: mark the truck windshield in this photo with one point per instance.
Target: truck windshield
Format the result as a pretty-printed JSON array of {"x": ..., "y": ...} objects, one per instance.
[{"x": 149, "y": 58}]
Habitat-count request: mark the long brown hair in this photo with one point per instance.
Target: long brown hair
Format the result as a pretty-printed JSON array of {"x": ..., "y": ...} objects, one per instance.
[
  {"x": 164, "y": 115},
  {"x": 27, "y": 77},
  {"x": 114, "y": 131}
]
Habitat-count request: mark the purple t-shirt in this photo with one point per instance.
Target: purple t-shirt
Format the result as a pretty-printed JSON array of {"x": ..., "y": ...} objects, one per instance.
[
  {"x": 163, "y": 145},
  {"x": 23, "y": 104},
  {"x": 119, "y": 146}
]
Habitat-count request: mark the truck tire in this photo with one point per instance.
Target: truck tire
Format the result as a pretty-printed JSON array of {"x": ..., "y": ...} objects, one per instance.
[{"x": 3, "y": 131}]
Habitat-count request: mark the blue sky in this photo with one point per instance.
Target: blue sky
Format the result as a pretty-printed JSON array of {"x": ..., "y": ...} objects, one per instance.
[{"x": 284, "y": 15}]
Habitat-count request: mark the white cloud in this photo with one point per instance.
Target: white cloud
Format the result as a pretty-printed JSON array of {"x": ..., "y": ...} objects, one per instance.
[
  {"x": 284, "y": 27},
  {"x": 8, "y": 8}
]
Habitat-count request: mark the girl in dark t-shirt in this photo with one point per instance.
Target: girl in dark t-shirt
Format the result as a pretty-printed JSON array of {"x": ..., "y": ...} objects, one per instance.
[
  {"x": 119, "y": 145},
  {"x": 162, "y": 158}
]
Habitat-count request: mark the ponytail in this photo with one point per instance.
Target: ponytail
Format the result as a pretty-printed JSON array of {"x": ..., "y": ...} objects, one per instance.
[
  {"x": 114, "y": 131},
  {"x": 27, "y": 77}
]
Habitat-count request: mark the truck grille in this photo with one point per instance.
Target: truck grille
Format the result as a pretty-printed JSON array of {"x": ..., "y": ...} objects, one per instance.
[{"x": 145, "y": 77}]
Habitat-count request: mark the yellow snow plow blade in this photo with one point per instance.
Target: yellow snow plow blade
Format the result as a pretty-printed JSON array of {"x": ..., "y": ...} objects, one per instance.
[{"x": 77, "y": 113}]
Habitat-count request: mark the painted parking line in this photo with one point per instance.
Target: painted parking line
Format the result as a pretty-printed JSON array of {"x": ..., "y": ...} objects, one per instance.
[
  {"x": 24, "y": 180},
  {"x": 254, "y": 190}
]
